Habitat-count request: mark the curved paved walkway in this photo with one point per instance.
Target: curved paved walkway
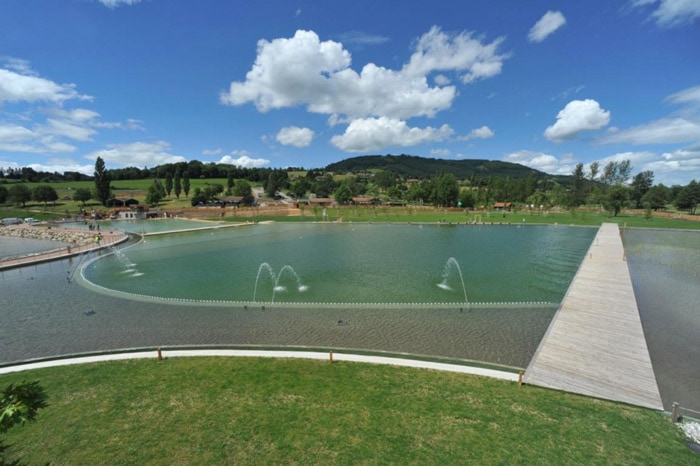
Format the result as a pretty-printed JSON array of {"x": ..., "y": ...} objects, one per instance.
[
  {"x": 108, "y": 238},
  {"x": 151, "y": 354}
]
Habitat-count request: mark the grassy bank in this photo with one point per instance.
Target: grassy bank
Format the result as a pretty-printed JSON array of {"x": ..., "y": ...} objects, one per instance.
[
  {"x": 267, "y": 411},
  {"x": 436, "y": 215}
]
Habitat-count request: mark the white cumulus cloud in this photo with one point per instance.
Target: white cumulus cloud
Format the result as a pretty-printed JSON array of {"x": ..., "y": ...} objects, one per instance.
[
  {"x": 17, "y": 87},
  {"x": 550, "y": 22},
  {"x": 479, "y": 133},
  {"x": 437, "y": 50},
  {"x": 541, "y": 161},
  {"x": 577, "y": 116},
  {"x": 295, "y": 136},
  {"x": 243, "y": 159},
  {"x": 305, "y": 71},
  {"x": 370, "y": 134},
  {"x": 137, "y": 154}
]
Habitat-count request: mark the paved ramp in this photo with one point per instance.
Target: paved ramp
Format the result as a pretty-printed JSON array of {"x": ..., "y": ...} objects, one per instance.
[{"x": 595, "y": 344}]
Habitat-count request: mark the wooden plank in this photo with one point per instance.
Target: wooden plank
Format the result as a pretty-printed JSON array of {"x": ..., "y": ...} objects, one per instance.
[{"x": 595, "y": 344}]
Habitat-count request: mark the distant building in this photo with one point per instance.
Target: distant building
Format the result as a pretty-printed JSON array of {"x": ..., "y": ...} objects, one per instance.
[
  {"x": 366, "y": 200},
  {"x": 502, "y": 206},
  {"x": 320, "y": 201}
]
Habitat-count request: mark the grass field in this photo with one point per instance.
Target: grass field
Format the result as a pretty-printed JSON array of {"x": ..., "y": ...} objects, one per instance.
[
  {"x": 288, "y": 411},
  {"x": 65, "y": 207},
  {"x": 436, "y": 215}
]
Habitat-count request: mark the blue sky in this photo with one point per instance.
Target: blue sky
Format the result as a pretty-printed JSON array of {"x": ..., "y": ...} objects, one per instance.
[{"x": 280, "y": 83}]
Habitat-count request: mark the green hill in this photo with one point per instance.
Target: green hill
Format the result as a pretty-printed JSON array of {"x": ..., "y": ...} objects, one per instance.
[{"x": 411, "y": 166}]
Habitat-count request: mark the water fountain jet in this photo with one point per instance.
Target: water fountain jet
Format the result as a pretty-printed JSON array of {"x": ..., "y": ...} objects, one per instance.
[
  {"x": 449, "y": 265},
  {"x": 275, "y": 278}
]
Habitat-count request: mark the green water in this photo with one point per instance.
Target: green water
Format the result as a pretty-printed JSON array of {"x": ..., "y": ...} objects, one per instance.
[{"x": 352, "y": 263}]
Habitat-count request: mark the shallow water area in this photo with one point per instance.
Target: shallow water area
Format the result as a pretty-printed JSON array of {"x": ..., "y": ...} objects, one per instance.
[
  {"x": 140, "y": 226},
  {"x": 665, "y": 270},
  {"x": 11, "y": 247},
  {"x": 48, "y": 315}
]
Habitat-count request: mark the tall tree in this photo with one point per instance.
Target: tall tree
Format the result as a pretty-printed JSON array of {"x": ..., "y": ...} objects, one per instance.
[
  {"x": 44, "y": 193},
  {"x": 641, "y": 184},
  {"x": 608, "y": 176},
  {"x": 19, "y": 194},
  {"x": 177, "y": 183},
  {"x": 186, "y": 183},
  {"x": 593, "y": 170},
  {"x": 272, "y": 184},
  {"x": 385, "y": 179},
  {"x": 616, "y": 199},
  {"x": 300, "y": 187},
  {"x": 447, "y": 190},
  {"x": 229, "y": 182},
  {"x": 657, "y": 197},
  {"x": 578, "y": 195},
  {"x": 82, "y": 195},
  {"x": 616, "y": 173},
  {"x": 242, "y": 188},
  {"x": 102, "y": 187},
  {"x": 343, "y": 195},
  {"x": 689, "y": 197},
  {"x": 155, "y": 193},
  {"x": 168, "y": 183}
]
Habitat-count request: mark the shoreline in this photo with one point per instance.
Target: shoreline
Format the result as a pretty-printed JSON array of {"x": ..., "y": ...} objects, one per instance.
[{"x": 79, "y": 242}]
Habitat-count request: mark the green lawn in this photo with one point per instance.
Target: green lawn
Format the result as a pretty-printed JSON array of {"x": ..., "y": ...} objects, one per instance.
[
  {"x": 282, "y": 411},
  {"x": 435, "y": 215}
]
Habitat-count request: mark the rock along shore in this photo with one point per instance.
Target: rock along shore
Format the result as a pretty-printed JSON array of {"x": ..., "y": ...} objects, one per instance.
[{"x": 77, "y": 237}]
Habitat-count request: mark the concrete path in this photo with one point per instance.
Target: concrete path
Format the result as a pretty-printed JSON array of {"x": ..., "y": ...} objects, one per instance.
[
  {"x": 108, "y": 238},
  {"x": 267, "y": 354},
  {"x": 595, "y": 344}
]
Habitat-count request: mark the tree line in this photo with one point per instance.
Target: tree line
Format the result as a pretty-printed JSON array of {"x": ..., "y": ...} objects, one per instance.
[{"x": 612, "y": 187}]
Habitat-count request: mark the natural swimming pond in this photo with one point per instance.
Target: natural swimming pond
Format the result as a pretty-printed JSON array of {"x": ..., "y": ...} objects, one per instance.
[
  {"x": 351, "y": 264},
  {"x": 43, "y": 312}
]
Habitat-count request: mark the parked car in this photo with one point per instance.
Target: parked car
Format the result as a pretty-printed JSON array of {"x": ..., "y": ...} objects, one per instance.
[{"x": 11, "y": 221}]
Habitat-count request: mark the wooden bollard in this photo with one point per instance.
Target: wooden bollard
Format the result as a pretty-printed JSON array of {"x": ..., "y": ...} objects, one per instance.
[
  {"x": 330, "y": 356},
  {"x": 160, "y": 354},
  {"x": 520, "y": 379},
  {"x": 676, "y": 413}
]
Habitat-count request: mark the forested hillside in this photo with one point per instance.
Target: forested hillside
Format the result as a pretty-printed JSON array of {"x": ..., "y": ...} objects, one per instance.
[{"x": 410, "y": 166}]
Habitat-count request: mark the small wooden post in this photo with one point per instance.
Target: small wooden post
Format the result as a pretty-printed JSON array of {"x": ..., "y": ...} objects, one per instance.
[
  {"x": 520, "y": 379},
  {"x": 676, "y": 413},
  {"x": 624, "y": 256},
  {"x": 160, "y": 354},
  {"x": 330, "y": 356}
]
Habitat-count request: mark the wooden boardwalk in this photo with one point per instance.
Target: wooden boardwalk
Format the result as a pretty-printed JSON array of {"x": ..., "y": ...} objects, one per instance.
[{"x": 595, "y": 344}]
